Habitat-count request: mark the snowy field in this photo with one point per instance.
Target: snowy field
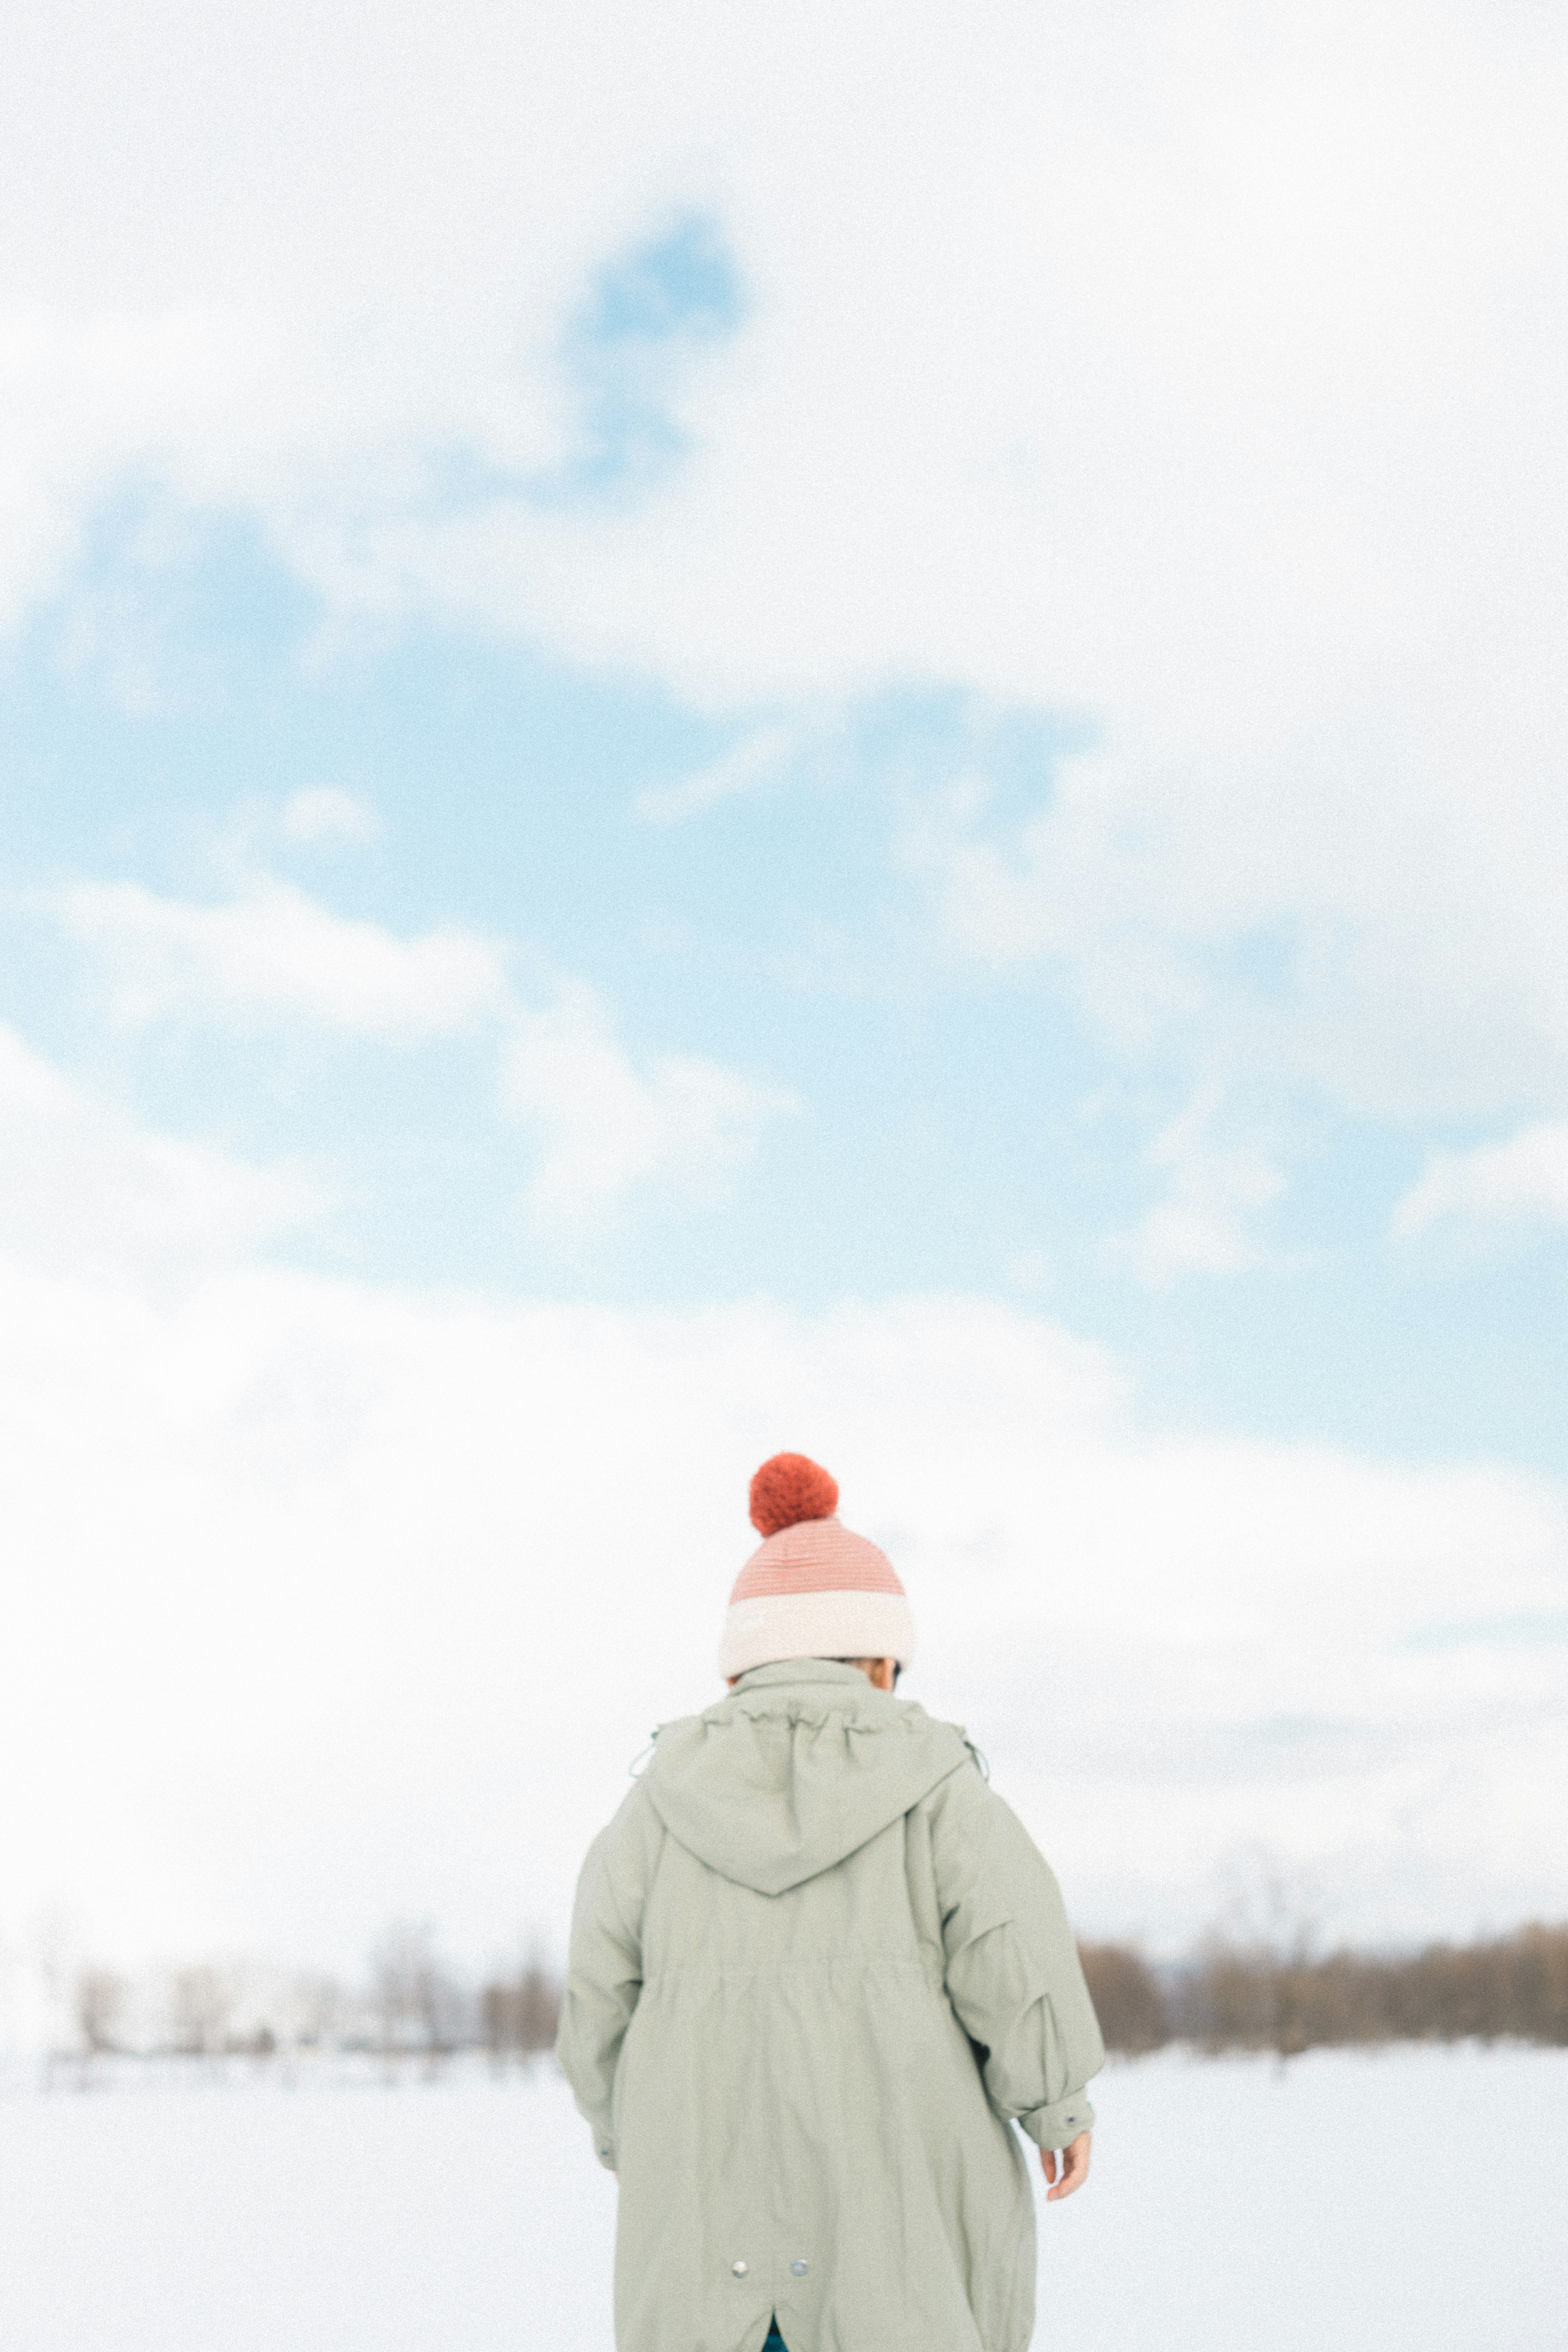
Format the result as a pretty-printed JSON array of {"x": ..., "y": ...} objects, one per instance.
[{"x": 1414, "y": 2200}]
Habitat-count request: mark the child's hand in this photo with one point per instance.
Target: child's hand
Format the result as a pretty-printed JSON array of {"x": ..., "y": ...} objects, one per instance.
[{"x": 1075, "y": 2167}]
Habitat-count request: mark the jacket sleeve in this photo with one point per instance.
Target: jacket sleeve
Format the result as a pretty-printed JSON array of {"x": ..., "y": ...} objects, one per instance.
[
  {"x": 604, "y": 1969},
  {"x": 1013, "y": 1973}
]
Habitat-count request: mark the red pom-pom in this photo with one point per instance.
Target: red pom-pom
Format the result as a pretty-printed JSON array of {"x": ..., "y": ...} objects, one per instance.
[{"x": 789, "y": 1488}]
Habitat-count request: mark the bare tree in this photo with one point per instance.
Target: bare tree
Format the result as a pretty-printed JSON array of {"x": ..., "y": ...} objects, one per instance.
[
  {"x": 98, "y": 2000},
  {"x": 202, "y": 2001},
  {"x": 399, "y": 1965},
  {"x": 520, "y": 2014},
  {"x": 420, "y": 2004},
  {"x": 316, "y": 2013},
  {"x": 57, "y": 1968},
  {"x": 1127, "y": 1997}
]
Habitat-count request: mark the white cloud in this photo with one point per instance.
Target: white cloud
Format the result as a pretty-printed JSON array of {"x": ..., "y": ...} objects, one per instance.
[
  {"x": 87, "y": 1195},
  {"x": 94, "y": 390},
  {"x": 607, "y": 1126},
  {"x": 1525, "y": 1178},
  {"x": 1197, "y": 379},
  {"x": 1031, "y": 1272},
  {"x": 275, "y": 957},
  {"x": 1205, "y": 1223},
  {"x": 748, "y": 765},
  {"x": 1193, "y": 373},
  {"x": 341, "y": 1602},
  {"x": 1399, "y": 956},
  {"x": 326, "y": 813}
]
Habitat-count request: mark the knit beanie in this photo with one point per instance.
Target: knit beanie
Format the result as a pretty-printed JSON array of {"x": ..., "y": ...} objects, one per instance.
[{"x": 811, "y": 1590}]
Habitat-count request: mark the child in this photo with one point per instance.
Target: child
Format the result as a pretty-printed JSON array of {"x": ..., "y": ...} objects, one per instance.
[{"x": 818, "y": 1969}]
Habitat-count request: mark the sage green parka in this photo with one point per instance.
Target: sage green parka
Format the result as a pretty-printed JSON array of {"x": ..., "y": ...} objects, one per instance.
[{"x": 818, "y": 1970}]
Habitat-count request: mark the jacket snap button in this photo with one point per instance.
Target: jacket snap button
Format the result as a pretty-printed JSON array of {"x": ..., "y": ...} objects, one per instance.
[
  {"x": 739, "y": 2269},
  {"x": 800, "y": 2269}
]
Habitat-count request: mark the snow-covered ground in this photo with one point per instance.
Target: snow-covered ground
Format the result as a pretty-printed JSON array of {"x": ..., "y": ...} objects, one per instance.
[{"x": 1410, "y": 2198}]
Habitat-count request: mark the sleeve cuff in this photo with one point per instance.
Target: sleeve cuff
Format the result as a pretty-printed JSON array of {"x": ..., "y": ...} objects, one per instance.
[{"x": 1057, "y": 2126}]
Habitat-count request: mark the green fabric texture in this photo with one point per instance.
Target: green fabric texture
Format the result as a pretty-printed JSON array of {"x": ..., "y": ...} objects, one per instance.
[{"x": 818, "y": 1969}]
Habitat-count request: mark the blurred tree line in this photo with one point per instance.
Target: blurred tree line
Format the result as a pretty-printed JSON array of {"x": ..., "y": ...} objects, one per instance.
[
  {"x": 1251, "y": 1997},
  {"x": 414, "y": 2009}
]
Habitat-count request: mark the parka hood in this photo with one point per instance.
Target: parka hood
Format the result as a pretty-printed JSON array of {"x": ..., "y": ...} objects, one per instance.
[{"x": 794, "y": 1770}]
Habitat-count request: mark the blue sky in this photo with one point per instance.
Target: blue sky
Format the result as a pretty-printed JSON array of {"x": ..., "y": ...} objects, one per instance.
[
  {"x": 797, "y": 739},
  {"x": 950, "y": 1127}
]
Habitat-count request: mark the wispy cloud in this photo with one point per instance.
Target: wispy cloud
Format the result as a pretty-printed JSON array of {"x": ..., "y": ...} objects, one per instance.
[
  {"x": 325, "y": 813},
  {"x": 87, "y": 1193},
  {"x": 609, "y": 1124},
  {"x": 1207, "y": 1220},
  {"x": 275, "y": 957},
  {"x": 1523, "y": 1180},
  {"x": 744, "y": 768}
]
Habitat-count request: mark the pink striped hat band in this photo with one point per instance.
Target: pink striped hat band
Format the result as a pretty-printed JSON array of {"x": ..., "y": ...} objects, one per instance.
[{"x": 814, "y": 1591}]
